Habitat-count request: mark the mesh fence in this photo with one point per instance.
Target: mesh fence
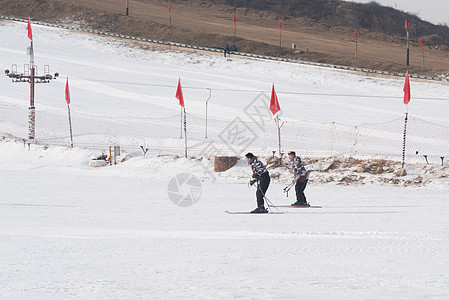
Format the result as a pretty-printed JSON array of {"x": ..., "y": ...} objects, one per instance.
[{"x": 424, "y": 140}]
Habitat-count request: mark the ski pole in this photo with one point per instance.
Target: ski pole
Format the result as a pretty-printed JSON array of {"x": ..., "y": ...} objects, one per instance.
[
  {"x": 288, "y": 187},
  {"x": 269, "y": 203}
]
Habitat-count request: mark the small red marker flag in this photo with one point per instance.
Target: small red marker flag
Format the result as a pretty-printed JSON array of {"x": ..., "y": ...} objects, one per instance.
[
  {"x": 355, "y": 34},
  {"x": 406, "y": 89},
  {"x": 30, "y": 33},
  {"x": 405, "y": 27},
  {"x": 67, "y": 92},
  {"x": 179, "y": 95},
  {"x": 420, "y": 44},
  {"x": 280, "y": 24},
  {"x": 234, "y": 19},
  {"x": 274, "y": 103},
  {"x": 169, "y": 6}
]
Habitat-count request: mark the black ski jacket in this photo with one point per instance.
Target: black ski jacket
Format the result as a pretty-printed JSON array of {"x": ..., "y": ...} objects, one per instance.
[
  {"x": 257, "y": 167},
  {"x": 299, "y": 169}
]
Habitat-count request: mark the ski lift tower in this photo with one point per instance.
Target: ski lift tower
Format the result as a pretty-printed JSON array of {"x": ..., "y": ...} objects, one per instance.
[{"x": 30, "y": 75}]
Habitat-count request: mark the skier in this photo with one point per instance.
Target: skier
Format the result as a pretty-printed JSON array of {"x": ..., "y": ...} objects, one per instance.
[
  {"x": 226, "y": 49},
  {"x": 301, "y": 178},
  {"x": 262, "y": 178}
]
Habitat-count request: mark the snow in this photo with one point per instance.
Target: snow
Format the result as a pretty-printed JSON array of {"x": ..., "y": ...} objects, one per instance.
[{"x": 70, "y": 231}]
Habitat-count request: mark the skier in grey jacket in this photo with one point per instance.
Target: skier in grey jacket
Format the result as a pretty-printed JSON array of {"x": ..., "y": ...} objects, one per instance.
[
  {"x": 262, "y": 178},
  {"x": 301, "y": 178}
]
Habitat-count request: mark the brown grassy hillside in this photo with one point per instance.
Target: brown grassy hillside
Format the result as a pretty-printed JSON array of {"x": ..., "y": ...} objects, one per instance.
[{"x": 323, "y": 30}]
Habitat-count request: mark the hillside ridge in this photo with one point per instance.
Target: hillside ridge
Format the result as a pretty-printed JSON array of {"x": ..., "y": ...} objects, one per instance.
[{"x": 323, "y": 33}]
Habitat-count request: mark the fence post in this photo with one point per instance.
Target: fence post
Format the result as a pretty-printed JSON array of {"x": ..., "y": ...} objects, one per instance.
[
  {"x": 403, "y": 144},
  {"x": 279, "y": 139}
]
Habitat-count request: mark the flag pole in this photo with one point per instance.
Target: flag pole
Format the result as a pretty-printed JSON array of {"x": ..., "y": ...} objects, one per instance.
[
  {"x": 280, "y": 39},
  {"x": 408, "y": 48},
  {"x": 32, "y": 109},
  {"x": 423, "y": 65},
  {"x": 279, "y": 139},
  {"x": 405, "y": 135},
  {"x": 355, "y": 37},
  {"x": 67, "y": 99},
  {"x": 185, "y": 132},
  {"x": 407, "y": 97},
  {"x": 127, "y": 7},
  {"x": 169, "y": 12},
  {"x": 181, "y": 124},
  {"x": 408, "y": 43},
  {"x": 235, "y": 26},
  {"x": 275, "y": 108},
  {"x": 70, "y": 126},
  {"x": 280, "y": 35}
]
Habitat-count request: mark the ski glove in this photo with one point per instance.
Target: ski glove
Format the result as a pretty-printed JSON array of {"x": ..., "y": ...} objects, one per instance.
[{"x": 252, "y": 182}]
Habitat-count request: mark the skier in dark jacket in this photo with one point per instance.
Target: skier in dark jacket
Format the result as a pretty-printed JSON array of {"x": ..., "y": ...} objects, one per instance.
[
  {"x": 226, "y": 49},
  {"x": 301, "y": 178},
  {"x": 262, "y": 178}
]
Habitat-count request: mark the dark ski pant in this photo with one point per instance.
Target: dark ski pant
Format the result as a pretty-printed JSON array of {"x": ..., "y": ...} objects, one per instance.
[
  {"x": 262, "y": 188},
  {"x": 299, "y": 188}
]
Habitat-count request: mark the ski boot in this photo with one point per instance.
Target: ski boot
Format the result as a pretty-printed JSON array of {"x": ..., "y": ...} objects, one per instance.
[{"x": 260, "y": 210}]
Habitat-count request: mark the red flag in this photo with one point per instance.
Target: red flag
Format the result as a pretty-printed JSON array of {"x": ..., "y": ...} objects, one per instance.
[
  {"x": 279, "y": 24},
  {"x": 67, "y": 92},
  {"x": 179, "y": 94},
  {"x": 405, "y": 27},
  {"x": 234, "y": 19},
  {"x": 274, "y": 103},
  {"x": 169, "y": 6},
  {"x": 420, "y": 44},
  {"x": 355, "y": 34},
  {"x": 30, "y": 33},
  {"x": 407, "y": 89}
]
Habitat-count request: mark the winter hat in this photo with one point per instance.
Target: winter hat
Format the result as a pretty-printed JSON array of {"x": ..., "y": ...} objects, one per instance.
[{"x": 249, "y": 155}]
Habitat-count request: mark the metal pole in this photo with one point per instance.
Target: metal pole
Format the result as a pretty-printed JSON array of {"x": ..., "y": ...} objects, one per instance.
[
  {"x": 408, "y": 48},
  {"x": 32, "y": 109},
  {"x": 30, "y": 75},
  {"x": 70, "y": 126},
  {"x": 127, "y": 7},
  {"x": 280, "y": 38},
  {"x": 185, "y": 131},
  {"x": 235, "y": 24},
  {"x": 423, "y": 65},
  {"x": 405, "y": 134},
  {"x": 169, "y": 12},
  {"x": 207, "y": 102},
  {"x": 279, "y": 140},
  {"x": 181, "y": 124}
]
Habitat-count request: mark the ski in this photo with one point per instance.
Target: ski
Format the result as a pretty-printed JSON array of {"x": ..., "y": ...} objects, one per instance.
[
  {"x": 248, "y": 212},
  {"x": 297, "y": 206}
]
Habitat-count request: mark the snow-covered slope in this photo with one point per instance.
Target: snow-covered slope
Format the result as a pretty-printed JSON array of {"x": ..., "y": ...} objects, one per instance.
[
  {"x": 70, "y": 231},
  {"x": 119, "y": 79}
]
